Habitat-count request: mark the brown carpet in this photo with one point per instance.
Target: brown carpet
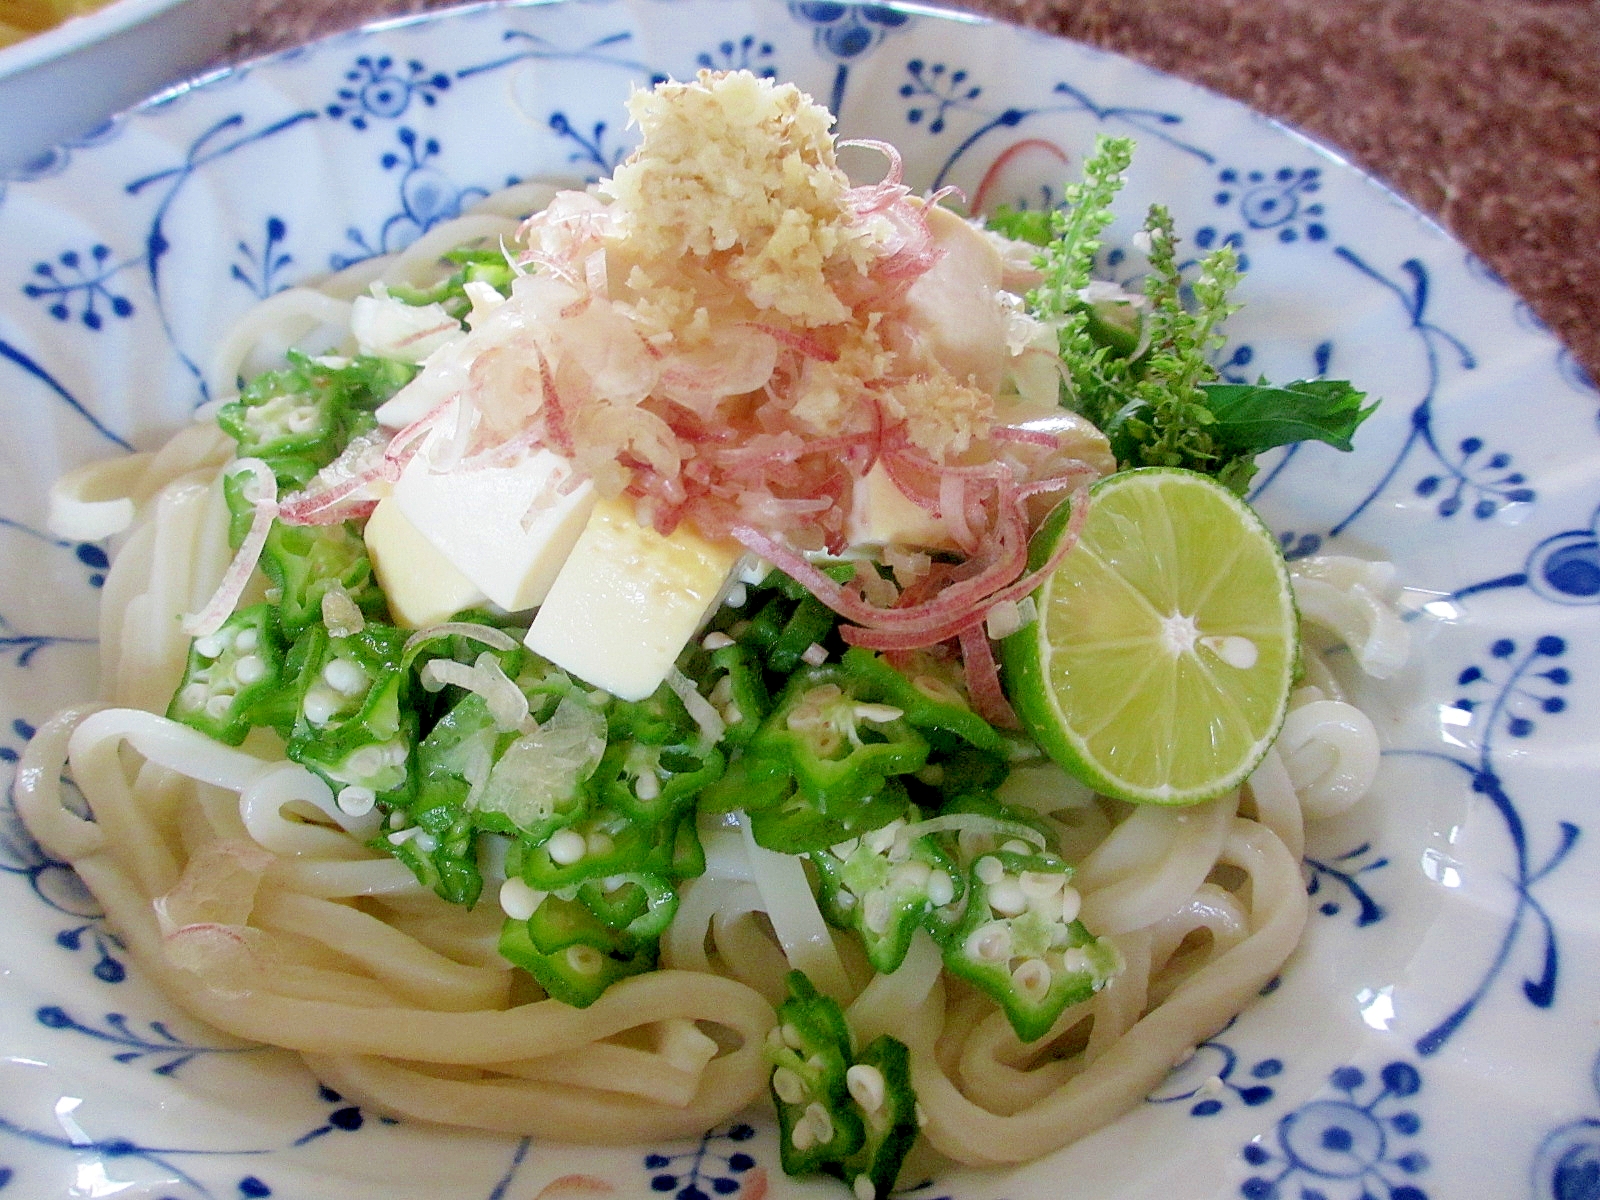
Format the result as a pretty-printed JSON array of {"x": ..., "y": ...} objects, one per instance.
[{"x": 1484, "y": 113}]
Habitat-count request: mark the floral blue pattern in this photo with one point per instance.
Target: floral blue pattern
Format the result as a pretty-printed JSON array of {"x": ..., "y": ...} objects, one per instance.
[
  {"x": 1567, "y": 1166},
  {"x": 1353, "y": 1146},
  {"x": 1492, "y": 521}
]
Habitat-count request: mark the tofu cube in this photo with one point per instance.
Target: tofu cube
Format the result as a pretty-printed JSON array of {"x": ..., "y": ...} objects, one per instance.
[
  {"x": 422, "y": 585},
  {"x": 882, "y": 515},
  {"x": 629, "y": 600},
  {"x": 508, "y": 529}
]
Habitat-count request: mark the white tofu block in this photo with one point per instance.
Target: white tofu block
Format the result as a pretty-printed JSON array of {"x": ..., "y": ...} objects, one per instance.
[
  {"x": 422, "y": 586},
  {"x": 882, "y": 515},
  {"x": 507, "y": 529},
  {"x": 629, "y": 600}
]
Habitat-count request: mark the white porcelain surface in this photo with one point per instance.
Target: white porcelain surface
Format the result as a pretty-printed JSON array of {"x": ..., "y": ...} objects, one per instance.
[
  {"x": 1438, "y": 1033},
  {"x": 63, "y": 85}
]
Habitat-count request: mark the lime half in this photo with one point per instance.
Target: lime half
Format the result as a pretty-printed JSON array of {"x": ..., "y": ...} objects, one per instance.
[{"x": 1159, "y": 668}]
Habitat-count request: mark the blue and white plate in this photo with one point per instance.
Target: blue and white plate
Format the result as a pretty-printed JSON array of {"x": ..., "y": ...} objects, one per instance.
[{"x": 1437, "y": 1035}]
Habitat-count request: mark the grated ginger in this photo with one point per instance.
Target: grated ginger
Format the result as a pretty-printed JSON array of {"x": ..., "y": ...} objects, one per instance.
[{"x": 738, "y": 172}]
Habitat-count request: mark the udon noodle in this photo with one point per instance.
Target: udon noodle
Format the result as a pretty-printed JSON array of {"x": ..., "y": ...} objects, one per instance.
[{"x": 249, "y": 898}]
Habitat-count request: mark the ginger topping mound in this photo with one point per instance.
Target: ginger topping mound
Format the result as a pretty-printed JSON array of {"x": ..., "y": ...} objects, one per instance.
[{"x": 739, "y": 172}]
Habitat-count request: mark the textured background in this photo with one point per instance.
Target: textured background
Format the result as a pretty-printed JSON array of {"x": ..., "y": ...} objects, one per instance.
[{"x": 1485, "y": 114}]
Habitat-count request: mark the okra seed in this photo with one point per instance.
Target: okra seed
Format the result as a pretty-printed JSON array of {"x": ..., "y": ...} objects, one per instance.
[
  {"x": 990, "y": 870},
  {"x": 878, "y": 714},
  {"x": 252, "y": 668},
  {"x": 715, "y": 640},
  {"x": 867, "y": 1086},
  {"x": 517, "y": 900},
  {"x": 875, "y": 912},
  {"x": 584, "y": 960},
  {"x": 321, "y": 705},
  {"x": 1007, "y": 898},
  {"x": 219, "y": 704},
  {"x": 864, "y": 1188},
  {"x": 367, "y": 761},
  {"x": 819, "y": 1120},
  {"x": 566, "y": 846},
  {"x": 788, "y": 1086},
  {"x": 425, "y": 842},
  {"x": 1017, "y": 846},
  {"x": 1071, "y": 902},
  {"x": 912, "y": 875},
  {"x": 941, "y": 889},
  {"x": 1040, "y": 885},
  {"x": 1032, "y": 978},
  {"x": 356, "y": 801},
  {"x": 879, "y": 841},
  {"x": 791, "y": 1036},
  {"x": 247, "y": 641},
  {"x": 209, "y": 646},
  {"x": 648, "y": 786},
  {"x": 802, "y": 1135},
  {"x": 598, "y": 845},
  {"x": 345, "y": 677},
  {"x": 1074, "y": 961},
  {"x": 989, "y": 943}
]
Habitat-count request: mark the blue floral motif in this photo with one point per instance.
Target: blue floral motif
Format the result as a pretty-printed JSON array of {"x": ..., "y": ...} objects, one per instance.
[
  {"x": 427, "y": 196},
  {"x": 26, "y": 645},
  {"x": 54, "y": 881},
  {"x": 592, "y": 149},
  {"x": 1470, "y": 476},
  {"x": 1343, "y": 872},
  {"x": 950, "y": 91},
  {"x": 81, "y": 281},
  {"x": 1567, "y": 1166},
  {"x": 1346, "y": 1148},
  {"x": 377, "y": 87},
  {"x": 1515, "y": 696},
  {"x": 749, "y": 53},
  {"x": 163, "y": 1158},
  {"x": 934, "y": 89},
  {"x": 530, "y": 46},
  {"x": 1563, "y": 569},
  {"x": 90, "y": 555},
  {"x": 1522, "y": 684},
  {"x": 844, "y": 34},
  {"x": 1209, "y": 1076},
  {"x": 260, "y": 268},
  {"x": 706, "y": 1170},
  {"x": 1279, "y": 201},
  {"x": 39, "y": 374},
  {"x": 342, "y": 1117},
  {"x": 161, "y": 1046},
  {"x": 221, "y": 139}
]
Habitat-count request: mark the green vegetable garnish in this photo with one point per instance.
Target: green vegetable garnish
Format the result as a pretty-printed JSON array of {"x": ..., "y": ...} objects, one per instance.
[{"x": 1140, "y": 366}]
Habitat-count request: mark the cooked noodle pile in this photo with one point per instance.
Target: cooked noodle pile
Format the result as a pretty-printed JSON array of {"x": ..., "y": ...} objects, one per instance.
[{"x": 248, "y": 896}]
